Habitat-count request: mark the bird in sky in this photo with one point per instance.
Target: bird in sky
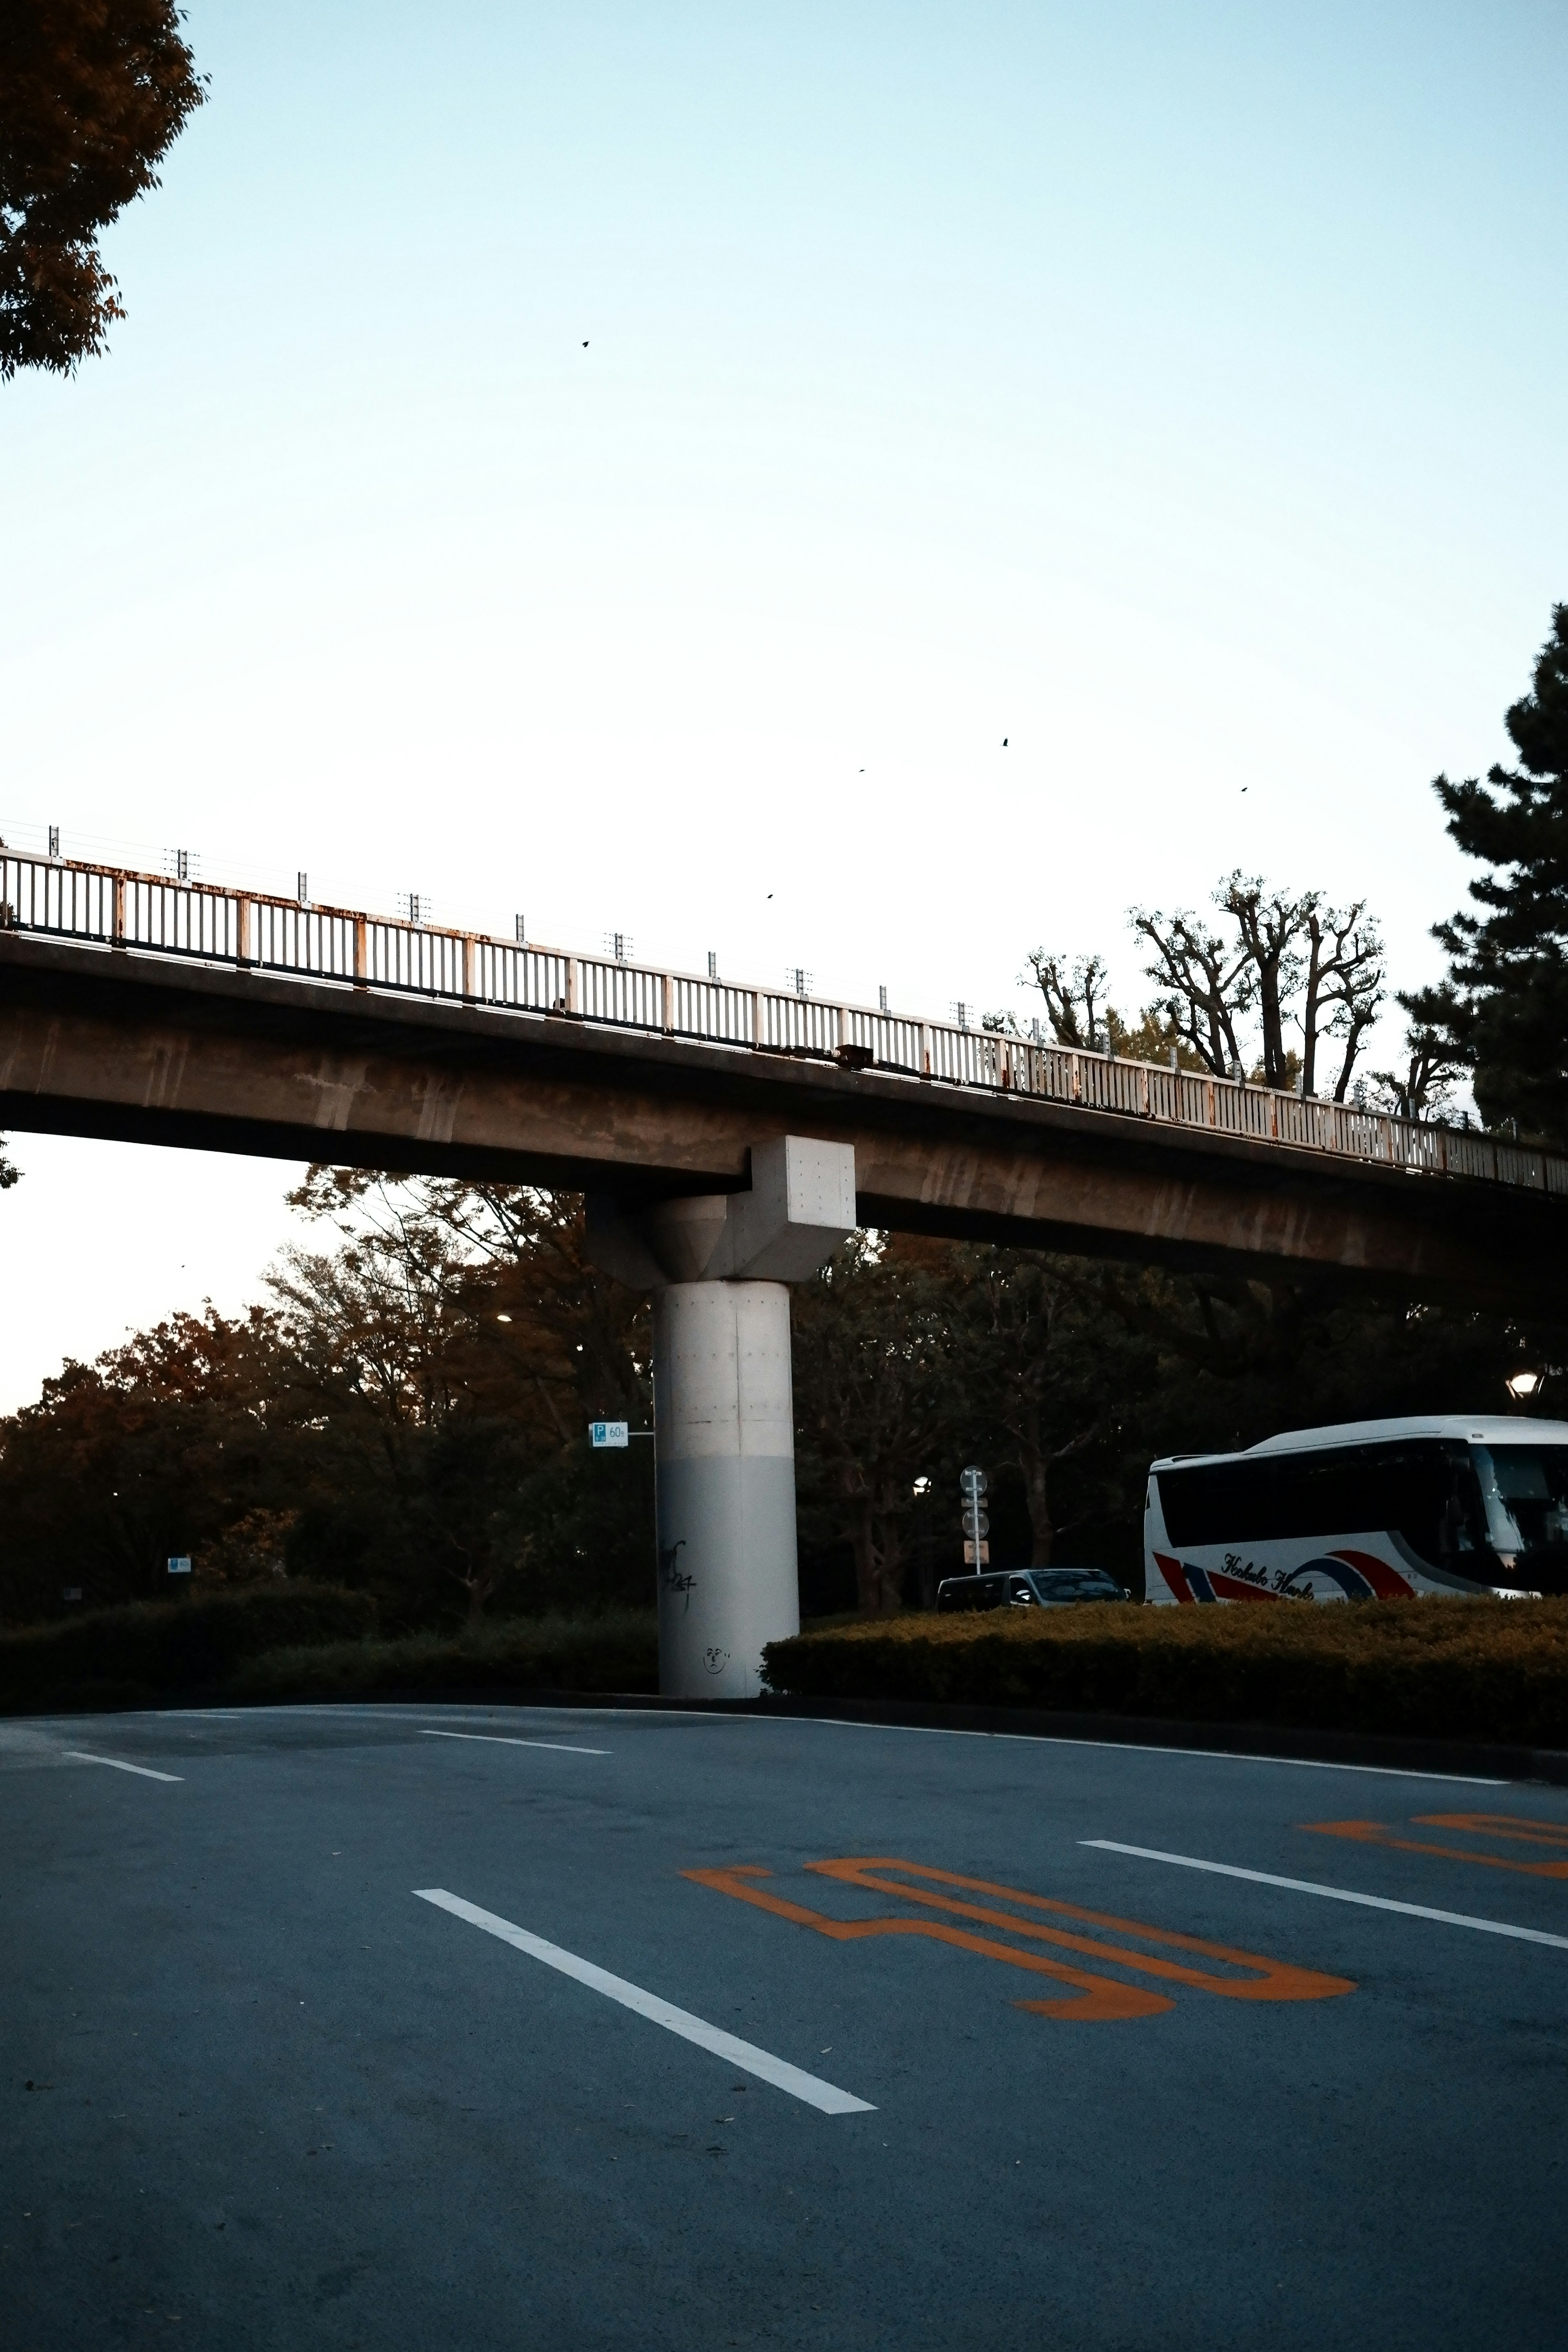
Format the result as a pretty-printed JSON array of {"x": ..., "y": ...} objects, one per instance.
[
  {"x": 1003, "y": 742},
  {"x": 585, "y": 342}
]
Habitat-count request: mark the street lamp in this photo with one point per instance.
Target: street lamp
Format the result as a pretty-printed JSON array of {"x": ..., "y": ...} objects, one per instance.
[{"x": 1525, "y": 1385}]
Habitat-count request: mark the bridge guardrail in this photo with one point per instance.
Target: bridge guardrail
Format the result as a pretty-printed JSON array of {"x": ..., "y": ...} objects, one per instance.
[{"x": 119, "y": 909}]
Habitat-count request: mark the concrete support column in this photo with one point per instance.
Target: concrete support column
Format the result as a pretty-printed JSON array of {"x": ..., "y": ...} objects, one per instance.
[
  {"x": 724, "y": 1448},
  {"x": 717, "y": 1266}
]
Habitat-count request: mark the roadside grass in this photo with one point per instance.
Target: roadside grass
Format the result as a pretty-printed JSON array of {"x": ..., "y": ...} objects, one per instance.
[{"x": 1492, "y": 1670}]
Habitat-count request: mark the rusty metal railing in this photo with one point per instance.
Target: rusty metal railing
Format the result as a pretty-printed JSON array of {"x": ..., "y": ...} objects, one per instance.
[{"x": 146, "y": 914}]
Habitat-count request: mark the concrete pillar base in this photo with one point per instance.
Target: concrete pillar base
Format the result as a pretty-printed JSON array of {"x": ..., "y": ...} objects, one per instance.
[
  {"x": 725, "y": 1450},
  {"x": 716, "y": 1265}
]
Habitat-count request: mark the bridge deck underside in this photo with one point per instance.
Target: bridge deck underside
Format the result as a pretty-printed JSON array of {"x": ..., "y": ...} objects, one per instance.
[{"x": 95, "y": 1042}]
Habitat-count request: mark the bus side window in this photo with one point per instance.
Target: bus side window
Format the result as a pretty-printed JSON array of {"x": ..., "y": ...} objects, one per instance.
[
  {"x": 1428, "y": 1499},
  {"x": 1314, "y": 1496},
  {"x": 1462, "y": 1526},
  {"x": 1325, "y": 1494}
]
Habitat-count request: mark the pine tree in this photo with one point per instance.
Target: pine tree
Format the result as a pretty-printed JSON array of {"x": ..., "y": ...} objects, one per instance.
[{"x": 1504, "y": 1004}]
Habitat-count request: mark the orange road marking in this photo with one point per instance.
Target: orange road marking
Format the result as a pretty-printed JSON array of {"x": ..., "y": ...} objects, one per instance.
[
  {"x": 1515, "y": 1828},
  {"x": 1378, "y": 1833},
  {"x": 1098, "y": 1997},
  {"x": 1270, "y": 1980}
]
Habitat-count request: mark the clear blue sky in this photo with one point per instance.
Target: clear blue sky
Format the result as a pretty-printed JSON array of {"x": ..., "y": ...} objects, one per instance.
[{"x": 1179, "y": 394}]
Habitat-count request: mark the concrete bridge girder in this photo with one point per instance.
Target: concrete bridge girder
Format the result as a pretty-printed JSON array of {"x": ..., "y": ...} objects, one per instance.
[{"x": 97, "y": 1043}]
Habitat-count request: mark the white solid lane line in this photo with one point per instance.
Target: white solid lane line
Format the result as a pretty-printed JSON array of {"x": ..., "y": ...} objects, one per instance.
[
  {"x": 1138, "y": 1747},
  {"x": 81, "y": 1756},
  {"x": 824, "y": 2096},
  {"x": 1302, "y": 1763},
  {"x": 1334, "y": 1893},
  {"x": 499, "y": 1739}
]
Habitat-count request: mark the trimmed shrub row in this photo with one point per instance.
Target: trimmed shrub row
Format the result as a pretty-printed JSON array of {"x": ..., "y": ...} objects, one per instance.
[
  {"x": 309, "y": 1640},
  {"x": 617, "y": 1651},
  {"x": 125, "y": 1656},
  {"x": 1492, "y": 1670}
]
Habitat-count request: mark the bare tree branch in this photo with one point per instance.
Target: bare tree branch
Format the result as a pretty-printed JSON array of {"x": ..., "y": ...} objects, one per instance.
[
  {"x": 1426, "y": 1084},
  {"x": 1270, "y": 925},
  {"x": 1344, "y": 979},
  {"x": 1293, "y": 961},
  {"x": 1205, "y": 986},
  {"x": 1075, "y": 1001}
]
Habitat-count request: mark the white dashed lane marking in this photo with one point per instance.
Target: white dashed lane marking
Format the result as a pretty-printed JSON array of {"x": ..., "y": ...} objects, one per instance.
[
  {"x": 501, "y": 1740},
  {"x": 825, "y": 2096},
  {"x": 81, "y": 1756}
]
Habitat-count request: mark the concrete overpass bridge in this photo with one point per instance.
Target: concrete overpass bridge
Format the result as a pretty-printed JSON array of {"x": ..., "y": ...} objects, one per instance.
[
  {"x": 144, "y": 1008},
  {"x": 727, "y": 1136}
]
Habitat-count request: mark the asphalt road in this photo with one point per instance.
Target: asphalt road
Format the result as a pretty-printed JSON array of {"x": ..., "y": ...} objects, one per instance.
[{"x": 259, "y": 2089}]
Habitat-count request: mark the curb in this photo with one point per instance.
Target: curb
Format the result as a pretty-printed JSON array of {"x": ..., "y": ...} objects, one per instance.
[{"x": 1370, "y": 1751}]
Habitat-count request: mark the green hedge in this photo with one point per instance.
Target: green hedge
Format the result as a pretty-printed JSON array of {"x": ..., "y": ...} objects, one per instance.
[
  {"x": 616, "y": 1651},
  {"x": 125, "y": 1656},
  {"x": 1493, "y": 1669}
]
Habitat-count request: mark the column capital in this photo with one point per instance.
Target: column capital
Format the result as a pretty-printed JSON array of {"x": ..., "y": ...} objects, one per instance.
[{"x": 800, "y": 1206}]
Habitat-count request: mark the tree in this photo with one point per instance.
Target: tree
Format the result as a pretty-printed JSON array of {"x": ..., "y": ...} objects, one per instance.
[
  {"x": 1502, "y": 1010},
  {"x": 1425, "y": 1084},
  {"x": 873, "y": 1390},
  {"x": 1269, "y": 926},
  {"x": 1238, "y": 1359},
  {"x": 161, "y": 1447},
  {"x": 1343, "y": 980},
  {"x": 457, "y": 1344},
  {"x": 1083, "y": 1018},
  {"x": 1293, "y": 963},
  {"x": 410, "y": 1416},
  {"x": 509, "y": 1263},
  {"x": 372, "y": 1326},
  {"x": 1048, "y": 1368},
  {"x": 1076, "y": 1005},
  {"x": 93, "y": 93},
  {"x": 9, "y": 1175},
  {"x": 1206, "y": 985}
]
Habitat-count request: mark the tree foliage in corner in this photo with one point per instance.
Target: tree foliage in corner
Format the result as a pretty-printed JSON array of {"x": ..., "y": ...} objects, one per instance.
[
  {"x": 1504, "y": 1005},
  {"x": 8, "y": 1175},
  {"x": 92, "y": 95}
]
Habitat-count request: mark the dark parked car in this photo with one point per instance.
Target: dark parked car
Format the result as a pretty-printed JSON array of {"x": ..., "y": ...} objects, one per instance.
[{"x": 1029, "y": 1588}]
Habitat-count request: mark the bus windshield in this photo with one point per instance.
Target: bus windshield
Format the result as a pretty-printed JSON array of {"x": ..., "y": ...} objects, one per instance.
[{"x": 1524, "y": 1491}]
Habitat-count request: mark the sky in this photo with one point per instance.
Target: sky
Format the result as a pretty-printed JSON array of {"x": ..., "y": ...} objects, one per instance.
[{"x": 634, "y": 467}]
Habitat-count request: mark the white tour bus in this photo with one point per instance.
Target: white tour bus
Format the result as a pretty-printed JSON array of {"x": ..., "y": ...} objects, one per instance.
[{"x": 1366, "y": 1510}]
